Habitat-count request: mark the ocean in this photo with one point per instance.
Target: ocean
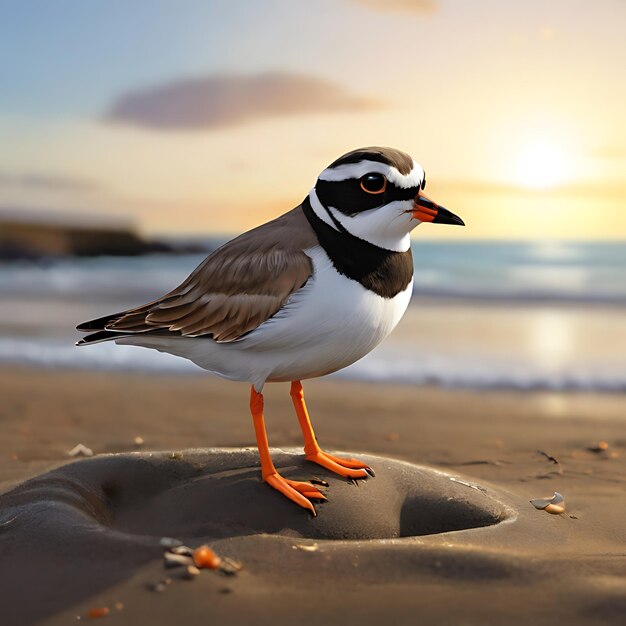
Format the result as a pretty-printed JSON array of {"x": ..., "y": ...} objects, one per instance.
[{"x": 508, "y": 315}]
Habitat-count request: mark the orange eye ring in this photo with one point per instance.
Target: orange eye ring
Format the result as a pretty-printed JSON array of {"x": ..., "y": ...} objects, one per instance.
[{"x": 374, "y": 192}]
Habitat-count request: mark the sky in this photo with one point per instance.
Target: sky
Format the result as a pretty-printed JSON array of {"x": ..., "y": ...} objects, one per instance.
[{"x": 202, "y": 117}]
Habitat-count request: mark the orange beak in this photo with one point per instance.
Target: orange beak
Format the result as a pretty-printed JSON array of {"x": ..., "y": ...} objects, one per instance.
[{"x": 428, "y": 211}]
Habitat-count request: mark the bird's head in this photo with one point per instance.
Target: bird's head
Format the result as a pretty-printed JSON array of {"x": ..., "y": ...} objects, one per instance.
[{"x": 376, "y": 194}]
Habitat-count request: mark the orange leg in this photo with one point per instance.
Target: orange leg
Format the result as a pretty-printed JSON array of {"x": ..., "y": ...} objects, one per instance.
[
  {"x": 294, "y": 490},
  {"x": 350, "y": 468}
]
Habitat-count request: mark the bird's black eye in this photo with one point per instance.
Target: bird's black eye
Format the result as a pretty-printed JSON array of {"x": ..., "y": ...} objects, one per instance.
[{"x": 373, "y": 183}]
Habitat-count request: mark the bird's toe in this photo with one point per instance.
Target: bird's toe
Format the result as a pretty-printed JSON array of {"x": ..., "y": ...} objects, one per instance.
[{"x": 349, "y": 468}]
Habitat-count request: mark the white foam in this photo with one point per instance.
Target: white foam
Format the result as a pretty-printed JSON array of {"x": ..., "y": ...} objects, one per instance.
[{"x": 379, "y": 366}]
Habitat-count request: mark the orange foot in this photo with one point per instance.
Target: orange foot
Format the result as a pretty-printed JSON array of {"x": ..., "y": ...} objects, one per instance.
[
  {"x": 350, "y": 468},
  {"x": 294, "y": 490}
]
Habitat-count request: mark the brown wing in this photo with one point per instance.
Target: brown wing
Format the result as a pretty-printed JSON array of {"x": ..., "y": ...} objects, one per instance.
[{"x": 235, "y": 289}]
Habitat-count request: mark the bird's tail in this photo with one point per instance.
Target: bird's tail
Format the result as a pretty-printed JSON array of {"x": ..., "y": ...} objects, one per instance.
[
  {"x": 98, "y": 337},
  {"x": 97, "y": 330}
]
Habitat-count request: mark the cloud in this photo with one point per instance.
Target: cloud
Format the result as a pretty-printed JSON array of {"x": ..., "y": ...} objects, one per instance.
[
  {"x": 423, "y": 7},
  {"x": 226, "y": 100},
  {"x": 44, "y": 181}
]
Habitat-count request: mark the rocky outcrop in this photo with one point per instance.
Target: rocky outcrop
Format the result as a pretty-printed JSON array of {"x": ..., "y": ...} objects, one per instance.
[{"x": 26, "y": 238}]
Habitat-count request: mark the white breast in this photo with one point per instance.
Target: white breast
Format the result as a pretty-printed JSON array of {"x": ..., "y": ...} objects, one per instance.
[{"x": 327, "y": 325}]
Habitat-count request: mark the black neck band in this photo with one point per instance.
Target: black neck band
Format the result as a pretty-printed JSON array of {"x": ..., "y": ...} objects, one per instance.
[{"x": 385, "y": 272}]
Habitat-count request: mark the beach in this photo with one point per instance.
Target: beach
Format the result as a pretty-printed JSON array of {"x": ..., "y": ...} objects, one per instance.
[
  {"x": 503, "y": 448},
  {"x": 453, "y": 272},
  {"x": 476, "y": 404}
]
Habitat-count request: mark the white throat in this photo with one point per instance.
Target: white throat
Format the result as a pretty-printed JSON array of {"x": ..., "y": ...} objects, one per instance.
[{"x": 387, "y": 227}]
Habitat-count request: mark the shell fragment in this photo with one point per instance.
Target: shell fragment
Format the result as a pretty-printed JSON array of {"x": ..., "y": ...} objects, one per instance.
[
  {"x": 80, "y": 450},
  {"x": 554, "y": 505},
  {"x": 176, "y": 560}
]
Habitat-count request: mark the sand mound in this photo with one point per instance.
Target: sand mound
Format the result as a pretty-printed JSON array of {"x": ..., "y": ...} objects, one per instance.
[
  {"x": 89, "y": 525},
  {"x": 217, "y": 493}
]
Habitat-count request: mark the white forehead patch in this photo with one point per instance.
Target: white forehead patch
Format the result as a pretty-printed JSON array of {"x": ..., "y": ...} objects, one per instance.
[{"x": 356, "y": 170}]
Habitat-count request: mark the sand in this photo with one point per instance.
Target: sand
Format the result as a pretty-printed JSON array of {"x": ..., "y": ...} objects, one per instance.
[{"x": 444, "y": 534}]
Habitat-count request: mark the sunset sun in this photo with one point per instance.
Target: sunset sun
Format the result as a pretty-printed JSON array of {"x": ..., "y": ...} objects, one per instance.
[{"x": 541, "y": 164}]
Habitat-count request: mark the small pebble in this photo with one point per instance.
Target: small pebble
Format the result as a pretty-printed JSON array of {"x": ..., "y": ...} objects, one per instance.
[
  {"x": 309, "y": 548},
  {"x": 230, "y": 567},
  {"x": 191, "y": 571},
  {"x": 176, "y": 560},
  {"x": 97, "y": 612},
  {"x": 204, "y": 557}
]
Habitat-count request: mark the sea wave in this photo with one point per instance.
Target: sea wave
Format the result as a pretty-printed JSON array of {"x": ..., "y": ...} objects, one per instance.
[
  {"x": 511, "y": 271},
  {"x": 526, "y": 344},
  {"x": 419, "y": 369}
]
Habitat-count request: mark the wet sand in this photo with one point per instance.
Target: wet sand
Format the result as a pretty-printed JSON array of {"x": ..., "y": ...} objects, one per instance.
[{"x": 443, "y": 535}]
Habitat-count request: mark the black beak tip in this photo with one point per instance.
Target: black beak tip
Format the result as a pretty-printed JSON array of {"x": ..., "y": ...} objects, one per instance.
[{"x": 447, "y": 217}]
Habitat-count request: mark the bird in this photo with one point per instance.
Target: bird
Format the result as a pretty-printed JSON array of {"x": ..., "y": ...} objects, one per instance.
[{"x": 299, "y": 297}]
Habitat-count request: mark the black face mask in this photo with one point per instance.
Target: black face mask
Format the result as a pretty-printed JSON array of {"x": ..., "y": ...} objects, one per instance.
[{"x": 351, "y": 196}]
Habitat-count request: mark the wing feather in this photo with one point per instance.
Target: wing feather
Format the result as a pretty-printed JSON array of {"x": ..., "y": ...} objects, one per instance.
[{"x": 234, "y": 290}]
